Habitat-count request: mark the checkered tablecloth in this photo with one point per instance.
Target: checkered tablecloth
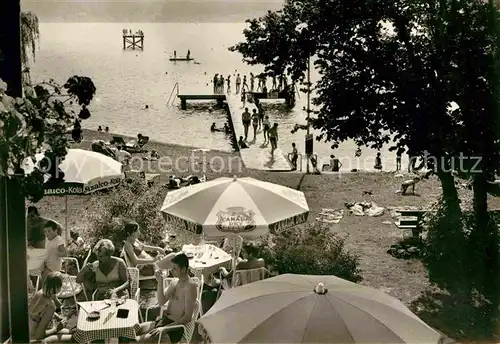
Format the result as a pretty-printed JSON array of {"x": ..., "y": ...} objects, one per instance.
[{"x": 108, "y": 325}]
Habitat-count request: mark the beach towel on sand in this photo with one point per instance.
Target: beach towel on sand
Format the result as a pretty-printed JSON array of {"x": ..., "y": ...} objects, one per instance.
[
  {"x": 365, "y": 208},
  {"x": 328, "y": 215}
]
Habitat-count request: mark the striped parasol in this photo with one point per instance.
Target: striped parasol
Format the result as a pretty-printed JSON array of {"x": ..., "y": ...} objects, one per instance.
[{"x": 235, "y": 207}]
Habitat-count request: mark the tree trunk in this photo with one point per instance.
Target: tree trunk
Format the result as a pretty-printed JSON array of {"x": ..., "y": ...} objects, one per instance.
[
  {"x": 484, "y": 250},
  {"x": 4, "y": 285},
  {"x": 450, "y": 193},
  {"x": 485, "y": 237}
]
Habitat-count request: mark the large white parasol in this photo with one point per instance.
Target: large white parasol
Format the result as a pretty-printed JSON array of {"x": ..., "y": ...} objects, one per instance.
[{"x": 235, "y": 207}]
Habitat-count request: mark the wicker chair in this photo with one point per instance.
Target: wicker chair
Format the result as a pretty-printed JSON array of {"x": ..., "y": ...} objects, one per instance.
[{"x": 188, "y": 328}]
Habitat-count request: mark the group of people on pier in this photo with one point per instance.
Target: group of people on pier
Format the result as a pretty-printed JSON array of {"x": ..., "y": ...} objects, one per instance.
[{"x": 255, "y": 83}]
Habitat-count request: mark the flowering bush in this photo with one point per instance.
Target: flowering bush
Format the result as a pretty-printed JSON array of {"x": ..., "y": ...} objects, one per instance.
[
  {"x": 313, "y": 250},
  {"x": 40, "y": 121}
]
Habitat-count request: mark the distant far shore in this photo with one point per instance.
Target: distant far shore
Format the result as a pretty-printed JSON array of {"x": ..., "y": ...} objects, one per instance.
[{"x": 149, "y": 12}]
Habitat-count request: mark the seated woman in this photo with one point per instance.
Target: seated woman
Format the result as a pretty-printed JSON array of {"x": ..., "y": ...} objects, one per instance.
[
  {"x": 107, "y": 275},
  {"x": 136, "y": 250},
  {"x": 41, "y": 310}
]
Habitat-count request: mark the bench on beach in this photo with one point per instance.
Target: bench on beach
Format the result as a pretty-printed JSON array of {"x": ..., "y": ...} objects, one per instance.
[{"x": 411, "y": 220}]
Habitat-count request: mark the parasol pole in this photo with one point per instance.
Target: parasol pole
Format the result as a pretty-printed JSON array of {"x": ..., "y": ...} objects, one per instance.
[
  {"x": 235, "y": 241},
  {"x": 66, "y": 232}
]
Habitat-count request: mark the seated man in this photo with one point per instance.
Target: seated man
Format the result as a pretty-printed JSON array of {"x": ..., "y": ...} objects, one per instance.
[
  {"x": 181, "y": 295},
  {"x": 406, "y": 184},
  {"x": 250, "y": 260},
  {"x": 242, "y": 143}
]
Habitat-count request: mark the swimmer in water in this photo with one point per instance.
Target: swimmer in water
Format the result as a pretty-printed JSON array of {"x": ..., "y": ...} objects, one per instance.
[{"x": 147, "y": 106}]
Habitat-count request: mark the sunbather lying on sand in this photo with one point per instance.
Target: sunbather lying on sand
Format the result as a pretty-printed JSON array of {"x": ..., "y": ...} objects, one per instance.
[
  {"x": 136, "y": 145},
  {"x": 175, "y": 182}
]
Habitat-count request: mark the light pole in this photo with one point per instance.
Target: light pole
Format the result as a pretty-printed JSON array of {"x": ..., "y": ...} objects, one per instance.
[
  {"x": 308, "y": 139},
  {"x": 308, "y": 110}
]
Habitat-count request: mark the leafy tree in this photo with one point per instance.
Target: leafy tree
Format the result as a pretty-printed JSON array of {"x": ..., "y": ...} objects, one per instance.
[
  {"x": 415, "y": 74},
  {"x": 40, "y": 120},
  {"x": 376, "y": 86}
]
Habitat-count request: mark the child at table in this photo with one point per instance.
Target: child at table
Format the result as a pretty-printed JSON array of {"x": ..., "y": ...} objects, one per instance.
[{"x": 42, "y": 309}]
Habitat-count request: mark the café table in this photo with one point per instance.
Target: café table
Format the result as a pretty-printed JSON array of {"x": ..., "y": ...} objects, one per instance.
[
  {"x": 108, "y": 327},
  {"x": 208, "y": 261},
  {"x": 35, "y": 260}
]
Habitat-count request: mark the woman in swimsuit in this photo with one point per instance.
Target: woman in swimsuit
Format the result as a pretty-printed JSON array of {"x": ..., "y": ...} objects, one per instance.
[
  {"x": 107, "y": 275},
  {"x": 136, "y": 250}
]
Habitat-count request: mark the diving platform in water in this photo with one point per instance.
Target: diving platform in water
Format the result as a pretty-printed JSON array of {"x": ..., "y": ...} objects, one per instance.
[
  {"x": 133, "y": 40},
  {"x": 196, "y": 96}
]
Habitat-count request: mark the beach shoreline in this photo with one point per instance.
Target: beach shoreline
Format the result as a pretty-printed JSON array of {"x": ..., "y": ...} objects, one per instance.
[
  {"x": 178, "y": 151},
  {"x": 90, "y": 134}
]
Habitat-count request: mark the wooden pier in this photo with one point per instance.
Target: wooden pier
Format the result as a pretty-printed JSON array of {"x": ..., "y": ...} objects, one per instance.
[
  {"x": 133, "y": 40},
  {"x": 288, "y": 94},
  {"x": 258, "y": 155}
]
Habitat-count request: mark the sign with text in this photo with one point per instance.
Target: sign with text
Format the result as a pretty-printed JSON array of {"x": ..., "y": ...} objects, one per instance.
[
  {"x": 280, "y": 226},
  {"x": 235, "y": 220},
  {"x": 183, "y": 224},
  {"x": 61, "y": 189}
]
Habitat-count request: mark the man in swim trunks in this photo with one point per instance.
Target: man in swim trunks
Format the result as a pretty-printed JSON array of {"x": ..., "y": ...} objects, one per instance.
[
  {"x": 238, "y": 83},
  {"x": 215, "y": 82},
  {"x": 409, "y": 184},
  {"x": 255, "y": 123},
  {"x": 267, "y": 125},
  {"x": 273, "y": 137},
  {"x": 261, "y": 115},
  {"x": 181, "y": 295},
  {"x": 295, "y": 156},
  {"x": 246, "y": 118}
]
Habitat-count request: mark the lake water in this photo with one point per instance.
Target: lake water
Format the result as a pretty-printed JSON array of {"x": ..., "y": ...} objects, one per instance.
[{"x": 128, "y": 80}]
